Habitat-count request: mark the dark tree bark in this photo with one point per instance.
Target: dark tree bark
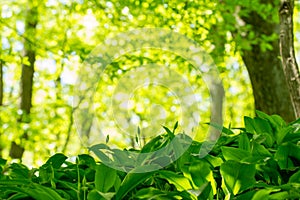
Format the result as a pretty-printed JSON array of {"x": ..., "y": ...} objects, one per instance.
[
  {"x": 28, "y": 68},
  {"x": 287, "y": 52},
  {"x": 17, "y": 150},
  {"x": 270, "y": 88}
]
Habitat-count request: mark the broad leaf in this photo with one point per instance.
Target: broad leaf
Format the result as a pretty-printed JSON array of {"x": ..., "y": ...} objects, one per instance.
[
  {"x": 295, "y": 178},
  {"x": 34, "y": 190},
  {"x": 154, "y": 193},
  {"x": 282, "y": 133},
  {"x": 179, "y": 181},
  {"x": 56, "y": 160},
  {"x": 259, "y": 150},
  {"x": 244, "y": 142},
  {"x": 104, "y": 178},
  {"x": 262, "y": 126},
  {"x": 237, "y": 176},
  {"x": 206, "y": 193},
  {"x": 201, "y": 173},
  {"x": 231, "y": 153},
  {"x": 214, "y": 161},
  {"x": 85, "y": 159},
  {"x": 130, "y": 181},
  {"x": 249, "y": 124},
  {"x": 263, "y": 194},
  {"x": 282, "y": 157},
  {"x": 96, "y": 195}
]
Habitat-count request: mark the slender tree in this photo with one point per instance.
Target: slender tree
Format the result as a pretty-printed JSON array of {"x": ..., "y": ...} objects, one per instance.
[
  {"x": 287, "y": 53},
  {"x": 26, "y": 85}
]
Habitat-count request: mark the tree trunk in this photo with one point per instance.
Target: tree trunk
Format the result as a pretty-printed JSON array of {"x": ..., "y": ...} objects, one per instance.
[
  {"x": 266, "y": 73},
  {"x": 17, "y": 150},
  {"x": 287, "y": 53},
  {"x": 28, "y": 67}
]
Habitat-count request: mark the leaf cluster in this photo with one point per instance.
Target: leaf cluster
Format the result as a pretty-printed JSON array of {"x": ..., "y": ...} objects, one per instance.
[{"x": 260, "y": 162}]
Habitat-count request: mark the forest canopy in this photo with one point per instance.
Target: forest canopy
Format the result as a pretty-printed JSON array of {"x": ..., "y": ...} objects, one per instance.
[{"x": 46, "y": 49}]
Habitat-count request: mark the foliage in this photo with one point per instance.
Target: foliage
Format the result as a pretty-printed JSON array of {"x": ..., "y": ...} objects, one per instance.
[
  {"x": 260, "y": 162},
  {"x": 66, "y": 33}
]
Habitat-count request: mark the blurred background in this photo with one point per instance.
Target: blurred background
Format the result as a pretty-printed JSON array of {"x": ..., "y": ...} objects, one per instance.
[{"x": 45, "y": 42}]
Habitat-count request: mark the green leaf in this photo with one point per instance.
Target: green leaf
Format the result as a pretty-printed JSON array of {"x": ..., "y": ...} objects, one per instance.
[
  {"x": 117, "y": 183},
  {"x": 294, "y": 151},
  {"x": 68, "y": 185},
  {"x": 160, "y": 160},
  {"x": 44, "y": 193},
  {"x": 262, "y": 126},
  {"x": 104, "y": 178},
  {"x": 33, "y": 190},
  {"x": 96, "y": 195},
  {"x": 245, "y": 44},
  {"x": 244, "y": 142},
  {"x": 15, "y": 182},
  {"x": 170, "y": 133},
  {"x": 149, "y": 193},
  {"x": 237, "y": 176},
  {"x": 139, "y": 131},
  {"x": 154, "y": 193},
  {"x": 295, "y": 178},
  {"x": 282, "y": 133},
  {"x": 180, "y": 182},
  {"x": 291, "y": 136},
  {"x": 102, "y": 156},
  {"x": 19, "y": 171},
  {"x": 130, "y": 181},
  {"x": 154, "y": 144},
  {"x": 247, "y": 195},
  {"x": 259, "y": 150},
  {"x": 221, "y": 128},
  {"x": 107, "y": 139},
  {"x": 2, "y": 162},
  {"x": 268, "y": 139},
  {"x": 214, "y": 161},
  {"x": 179, "y": 144},
  {"x": 282, "y": 157},
  {"x": 56, "y": 160},
  {"x": 281, "y": 195},
  {"x": 202, "y": 173},
  {"x": 231, "y": 153},
  {"x": 85, "y": 159},
  {"x": 263, "y": 115},
  {"x": 249, "y": 125},
  {"x": 206, "y": 193},
  {"x": 262, "y": 194},
  {"x": 277, "y": 121},
  {"x": 175, "y": 127},
  {"x": 46, "y": 173}
]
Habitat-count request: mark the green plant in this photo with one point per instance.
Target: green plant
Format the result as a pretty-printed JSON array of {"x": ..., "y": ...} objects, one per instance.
[{"x": 260, "y": 162}]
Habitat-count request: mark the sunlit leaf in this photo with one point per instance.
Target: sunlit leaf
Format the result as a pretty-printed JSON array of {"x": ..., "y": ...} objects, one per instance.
[
  {"x": 237, "y": 176},
  {"x": 104, "y": 178},
  {"x": 179, "y": 181}
]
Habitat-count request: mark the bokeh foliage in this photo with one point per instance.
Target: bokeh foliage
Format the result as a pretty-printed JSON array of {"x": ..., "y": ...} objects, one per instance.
[{"x": 68, "y": 30}]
